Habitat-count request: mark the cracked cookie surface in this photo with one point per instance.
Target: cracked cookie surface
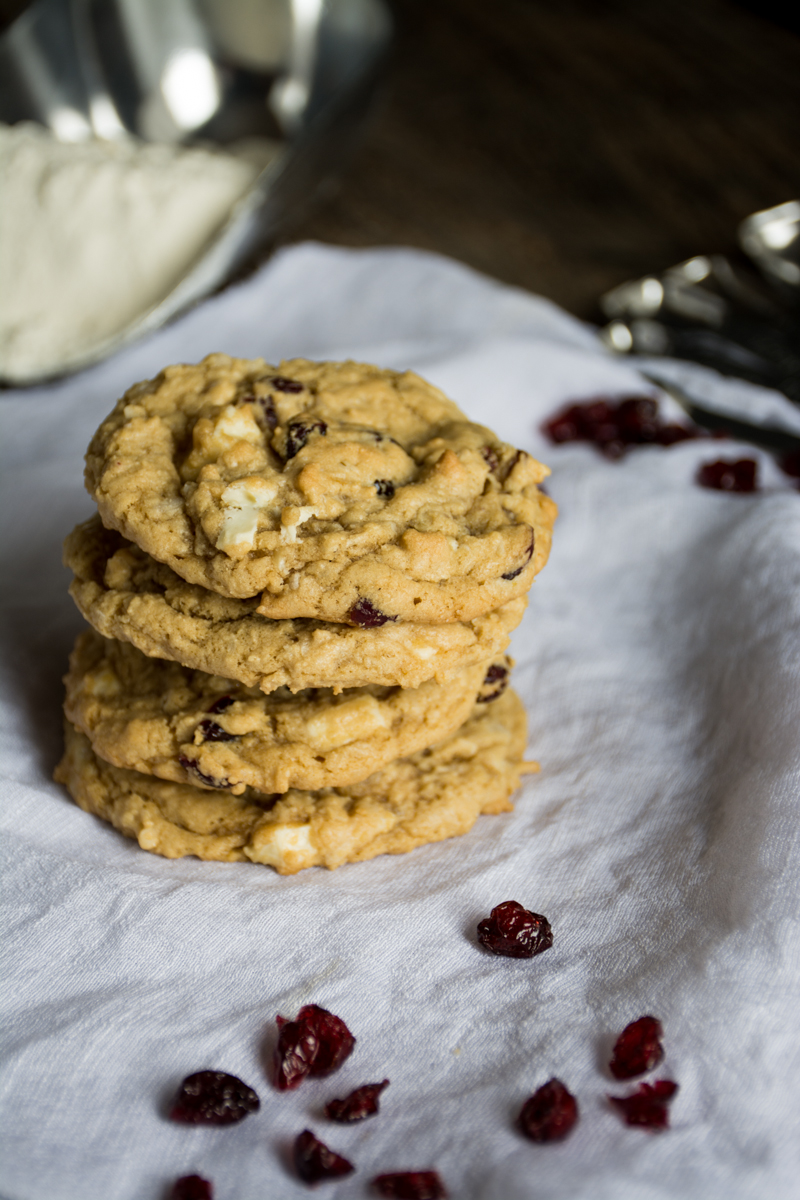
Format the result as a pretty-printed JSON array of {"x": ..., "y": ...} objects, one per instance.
[
  {"x": 126, "y": 594},
  {"x": 334, "y": 491},
  {"x": 434, "y": 794},
  {"x": 163, "y": 719}
]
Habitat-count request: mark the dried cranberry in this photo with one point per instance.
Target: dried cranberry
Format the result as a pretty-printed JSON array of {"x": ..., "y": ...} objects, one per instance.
[
  {"x": 365, "y": 614},
  {"x": 212, "y": 732},
  {"x": 265, "y": 409},
  {"x": 637, "y": 1049},
  {"x": 316, "y": 1043},
  {"x": 361, "y": 1103},
  {"x": 670, "y": 435},
  {"x": 220, "y": 705},
  {"x": 739, "y": 476},
  {"x": 213, "y": 1098},
  {"x": 490, "y": 458},
  {"x": 313, "y": 1160},
  {"x": 282, "y": 384},
  {"x": 613, "y": 427},
  {"x": 549, "y": 1114},
  {"x": 514, "y": 932},
  {"x": 192, "y": 767},
  {"x": 637, "y": 420},
  {"x": 647, "y": 1106},
  {"x": 385, "y": 488},
  {"x": 298, "y": 433},
  {"x": 410, "y": 1185},
  {"x": 494, "y": 684},
  {"x": 268, "y": 411},
  {"x": 525, "y": 561},
  {"x": 192, "y": 1187},
  {"x": 790, "y": 464}
]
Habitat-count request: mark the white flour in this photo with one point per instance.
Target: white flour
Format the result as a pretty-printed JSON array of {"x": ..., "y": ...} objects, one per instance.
[{"x": 93, "y": 235}]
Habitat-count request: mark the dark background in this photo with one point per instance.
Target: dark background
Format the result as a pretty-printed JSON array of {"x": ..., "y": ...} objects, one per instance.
[{"x": 567, "y": 146}]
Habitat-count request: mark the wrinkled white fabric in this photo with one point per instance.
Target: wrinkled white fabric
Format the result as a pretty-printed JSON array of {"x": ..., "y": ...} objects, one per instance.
[{"x": 659, "y": 663}]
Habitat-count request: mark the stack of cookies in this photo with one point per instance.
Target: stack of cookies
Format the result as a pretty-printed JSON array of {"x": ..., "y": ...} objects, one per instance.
[{"x": 301, "y": 582}]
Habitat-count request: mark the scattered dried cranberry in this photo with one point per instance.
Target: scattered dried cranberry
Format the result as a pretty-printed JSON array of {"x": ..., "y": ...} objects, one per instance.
[
  {"x": 790, "y": 464},
  {"x": 220, "y": 705},
  {"x": 647, "y": 1106},
  {"x": 192, "y": 1187},
  {"x": 212, "y": 732},
  {"x": 614, "y": 426},
  {"x": 365, "y": 614},
  {"x": 739, "y": 476},
  {"x": 513, "y": 931},
  {"x": 549, "y": 1114},
  {"x": 494, "y": 684},
  {"x": 213, "y": 1098},
  {"x": 317, "y": 1043},
  {"x": 192, "y": 767},
  {"x": 313, "y": 1160},
  {"x": 282, "y": 384},
  {"x": 361, "y": 1103},
  {"x": 637, "y": 1049},
  {"x": 526, "y": 560},
  {"x": 385, "y": 488},
  {"x": 298, "y": 433},
  {"x": 410, "y": 1185}
]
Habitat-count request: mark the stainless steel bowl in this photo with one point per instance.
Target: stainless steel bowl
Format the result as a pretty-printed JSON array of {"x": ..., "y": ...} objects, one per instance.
[{"x": 301, "y": 72}]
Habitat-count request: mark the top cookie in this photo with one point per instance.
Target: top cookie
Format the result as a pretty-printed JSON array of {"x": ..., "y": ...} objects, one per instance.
[{"x": 336, "y": 490}]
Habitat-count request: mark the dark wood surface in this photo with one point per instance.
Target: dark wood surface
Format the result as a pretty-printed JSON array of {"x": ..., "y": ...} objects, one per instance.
[{"x": 567, "y": 147}]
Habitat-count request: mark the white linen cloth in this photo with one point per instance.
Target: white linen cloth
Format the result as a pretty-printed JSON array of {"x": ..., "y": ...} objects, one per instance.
[{"x": 659, "y": 663}]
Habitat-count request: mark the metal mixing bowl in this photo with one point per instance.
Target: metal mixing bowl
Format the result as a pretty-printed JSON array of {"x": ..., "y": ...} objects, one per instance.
[{"x": 301, "y": 72}]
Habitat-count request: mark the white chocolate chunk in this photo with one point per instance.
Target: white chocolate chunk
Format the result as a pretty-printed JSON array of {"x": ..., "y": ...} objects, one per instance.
[
  {"x": 244, "y": 498},
  {"x": 292, "y": 517},
  {"x": 344, "y": 723},
  {"x": 283, "y": 846},
  {"x": 424, "y": 652},
  {"x": 102, "y": 683},
  {"x": 237, "y": 424}
]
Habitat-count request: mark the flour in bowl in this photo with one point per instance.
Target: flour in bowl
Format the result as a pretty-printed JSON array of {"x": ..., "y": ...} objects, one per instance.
[{"x": 94, "y": 234}]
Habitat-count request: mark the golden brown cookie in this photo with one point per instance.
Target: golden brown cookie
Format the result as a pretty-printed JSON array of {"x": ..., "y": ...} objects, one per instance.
[
  {"x": 163, "y": 719},
  {"x": 126, "y": 594},
  {"x": 336, "y": 491},
  {"x": 436, "y": 793}
]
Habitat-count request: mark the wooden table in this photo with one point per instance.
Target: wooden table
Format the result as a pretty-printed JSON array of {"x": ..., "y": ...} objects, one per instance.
[{"x": 567, "y": 147}]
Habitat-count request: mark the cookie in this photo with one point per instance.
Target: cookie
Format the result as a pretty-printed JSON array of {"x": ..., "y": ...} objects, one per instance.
[
  {"x": 126, "y": 594},
  {"x": 163, "y": 719},
  {"x": 336, "y": 491},
  {"x": 434, "y": 794}
]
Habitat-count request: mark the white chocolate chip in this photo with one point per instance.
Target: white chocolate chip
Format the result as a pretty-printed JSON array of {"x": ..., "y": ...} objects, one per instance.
[
  {"x": 237, "y": 425},
  {"x": 102, "y": 683},
  {"x": 238, "y": 529},
  {"x": 244, "y": 498},
  {"x": 424, "y": 652},
  {"x": 283, "y": 846},
  {"x": 293, "y": 516},
  {"x": 344, "y": 723}
]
